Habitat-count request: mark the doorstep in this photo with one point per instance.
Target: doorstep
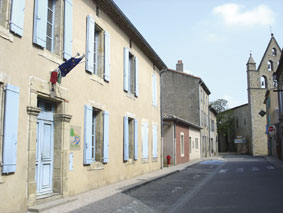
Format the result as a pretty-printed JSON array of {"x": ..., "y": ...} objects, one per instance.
[{"x": 51, "y": 204}]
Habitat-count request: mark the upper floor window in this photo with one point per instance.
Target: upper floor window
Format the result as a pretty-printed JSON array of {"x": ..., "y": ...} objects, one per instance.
[
  {"x": 274, "y": 52},
  {"x": 130, "y": 73},
  {"x": 97, "y": 50},
  {"x": 12, "y": 15},
  {"x": 270, "y": 65},
  {"x": 48, "y": 25},
  {"x": 212, "y": 125},
  {"x": 263, "y": 82}
]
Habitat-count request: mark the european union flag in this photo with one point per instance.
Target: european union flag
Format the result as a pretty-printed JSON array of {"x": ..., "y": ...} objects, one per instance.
[{"x": 66, "y": 67}]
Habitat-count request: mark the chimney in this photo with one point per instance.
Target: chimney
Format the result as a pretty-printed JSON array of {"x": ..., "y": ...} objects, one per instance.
[{"x": 180, "y": 66}]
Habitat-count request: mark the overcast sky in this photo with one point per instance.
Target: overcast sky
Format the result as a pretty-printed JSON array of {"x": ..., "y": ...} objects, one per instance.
[{"x": 212, "y": 37}]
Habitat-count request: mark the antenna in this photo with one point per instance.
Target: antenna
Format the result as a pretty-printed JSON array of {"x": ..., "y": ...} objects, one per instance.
[{"x": 271, "y": 31}]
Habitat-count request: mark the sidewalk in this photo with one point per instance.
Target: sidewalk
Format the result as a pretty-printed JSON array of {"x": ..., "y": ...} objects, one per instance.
[
  {"x": 109, "y": 190},
  {"x": 275, "y": 161}
]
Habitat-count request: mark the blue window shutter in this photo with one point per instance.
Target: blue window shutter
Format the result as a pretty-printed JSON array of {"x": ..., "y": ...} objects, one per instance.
[
  {"x": 40, "y": 23},
  {"x": 153, "y": 98},
  {"x": 146, "y": 140},
  {"x": 17, "y": 17},
  {"x": 107, "y": 56},
  {"x": 126, "y": 69},
  {"x": 136, "y": 139},
  {"x": 136, "y": 77},
  {"x": 154, "y": 140},
  {"x": 10, "y": 139},
  {"x": 90, "y": 29},
  {"x": 126, "y": 139},
  {"x": 106, "y": 137},
  {"x": 68, "y": 29},
  {"x": 88, "y": 135},
  {"x": 155, "y": 89}
]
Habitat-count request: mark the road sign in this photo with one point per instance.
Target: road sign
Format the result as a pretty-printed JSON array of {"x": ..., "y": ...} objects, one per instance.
[{"x": 271, "y": 129}]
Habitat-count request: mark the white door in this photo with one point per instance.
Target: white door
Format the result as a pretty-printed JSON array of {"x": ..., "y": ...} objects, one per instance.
[{"x": 44, "y": 150}]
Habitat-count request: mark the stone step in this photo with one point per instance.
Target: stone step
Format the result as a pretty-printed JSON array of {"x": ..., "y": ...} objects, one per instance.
[{"x": 53, "y": 203}]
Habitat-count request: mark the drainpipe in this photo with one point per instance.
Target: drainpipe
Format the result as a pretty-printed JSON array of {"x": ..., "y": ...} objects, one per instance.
[{"x": 161, "y": 112}]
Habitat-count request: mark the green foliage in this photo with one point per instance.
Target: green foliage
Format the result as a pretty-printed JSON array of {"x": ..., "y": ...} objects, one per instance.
[
  {"x": 220, "y": 105},
  {"x": 225, "y": 118}
]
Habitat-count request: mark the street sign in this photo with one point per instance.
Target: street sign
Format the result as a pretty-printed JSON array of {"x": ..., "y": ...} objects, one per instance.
[
  {"x": 271, "y": 129},
  {"x": 240, "y": 140}
]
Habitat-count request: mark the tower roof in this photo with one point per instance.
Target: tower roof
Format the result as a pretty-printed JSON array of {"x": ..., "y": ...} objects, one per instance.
[
  {"x": 269, "y": 44},
  {"x": 251, "y": 60}
]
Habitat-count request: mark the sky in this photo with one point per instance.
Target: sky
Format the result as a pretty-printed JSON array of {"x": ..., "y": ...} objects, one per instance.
[{"x": 213, "y": 38}]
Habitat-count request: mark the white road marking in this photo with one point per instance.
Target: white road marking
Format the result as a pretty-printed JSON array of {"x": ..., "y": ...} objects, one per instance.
[
  {"x": 196, "y": 176},
  {"x": 270, "y": 167},
  {"x": 223, "y": 171},
  {"x": 240, "y": 170},
  {"x": 177, "y": 188},
  {"x": 255, "y": 169}
]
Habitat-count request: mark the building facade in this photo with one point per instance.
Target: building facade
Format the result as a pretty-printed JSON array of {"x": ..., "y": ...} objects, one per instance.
[
  {"x": 259, "y": 80},
  {"x": 99, "y": 126},
  {"x": 185, "y": 97},
  {"x": 272, "y": 123},
  {"x": 213, "y": 143}
]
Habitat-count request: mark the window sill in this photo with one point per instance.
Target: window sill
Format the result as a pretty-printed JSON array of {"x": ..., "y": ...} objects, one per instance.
[
  {"x": 97, "y": 79},
  {"x": 96, "y": 166},
  {"x": 130, "y": 162},
  {"x": 131, "y": 96},
  {"x": 145, "y": 160},
  {"x": 5, "y": 33},
  {"x": 155, "y": 159},
  {"x": 51, "y": 57}
]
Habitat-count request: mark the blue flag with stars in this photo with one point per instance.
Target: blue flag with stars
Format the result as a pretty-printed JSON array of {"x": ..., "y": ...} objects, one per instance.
[{"x": 66, "y": 67}]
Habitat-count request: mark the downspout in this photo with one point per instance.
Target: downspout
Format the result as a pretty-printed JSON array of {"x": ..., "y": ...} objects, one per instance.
[
  {"x": 161, "y": 117},
  {"x": 209, "y": 132}
]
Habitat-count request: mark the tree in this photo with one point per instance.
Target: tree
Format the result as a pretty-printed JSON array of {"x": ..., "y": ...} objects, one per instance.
[
  {"x": 225, "y": 118},
  {"x": 220, "y": 105}
]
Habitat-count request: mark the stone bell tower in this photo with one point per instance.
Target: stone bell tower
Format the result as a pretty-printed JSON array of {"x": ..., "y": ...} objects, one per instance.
[{"x": 259, "y": 81}]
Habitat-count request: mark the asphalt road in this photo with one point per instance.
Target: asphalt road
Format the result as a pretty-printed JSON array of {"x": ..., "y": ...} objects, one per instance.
[{"x": 234, "y": 184}]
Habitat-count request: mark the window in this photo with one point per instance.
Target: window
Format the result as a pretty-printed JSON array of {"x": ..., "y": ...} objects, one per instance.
[
  {"x": 154, "y": 89},
  {"x": 130, "y": 138},
  {"x": 97, "y": 11},
  {"x": 154, "y": 141},
  {"x": 96, "y": 136},
  {"x": 263, "y": 82},
  {"x": 274, "y": 52},
  {"x": 196, "y": 143},
  {"x": 182, "y": 144},
  {"x": 190, "y": 145},
  {"x": 145, "y": 140},
  {"x": 212, "y": 125},
  {"x": 9, "y": 127},
  {"x": 130, "y": 73},
  {"x": 97, "y": 50},
  {"x": 49, "y": 24},
  {"x": 12, "y": 15},
  {"x": 237, "y": 123},
  {"x": 270, "y": 65}
]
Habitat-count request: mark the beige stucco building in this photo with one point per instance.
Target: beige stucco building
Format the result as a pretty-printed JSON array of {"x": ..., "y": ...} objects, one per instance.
[{"x": 99, "y": 126}]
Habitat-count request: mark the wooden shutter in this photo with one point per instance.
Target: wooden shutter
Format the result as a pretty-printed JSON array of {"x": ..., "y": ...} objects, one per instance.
[
  {"x": 90, "y": 29},
  {"x": 40, "y": 23},
  {"x": 126, "y": 139},
  {"x": 68, "y": 29},
  {"x": 88, "y": 134},
  {"x": 17, "y": 17},
  {"x": 107, "y": 56},
  {"x": 126, "y": 69},
  {"x": 105, "y": 137},
  {"x": 136, "y": 139},
  {"x": 145, "y": 140},
  {"x": 136, "y": 77},
  {"x": 10, "y": 139},
  {"x": 154, "y": 141}
]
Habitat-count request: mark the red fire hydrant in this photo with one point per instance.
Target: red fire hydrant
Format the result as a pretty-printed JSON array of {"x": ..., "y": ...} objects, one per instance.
[{"x": 168, "y": 158}]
